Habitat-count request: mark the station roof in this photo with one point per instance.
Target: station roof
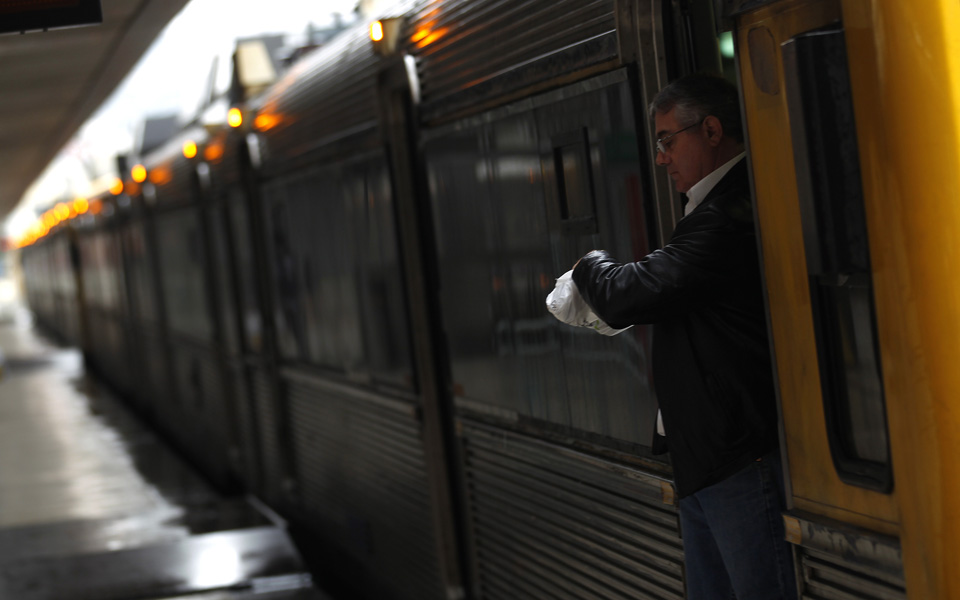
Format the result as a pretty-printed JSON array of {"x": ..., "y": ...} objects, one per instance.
[{"x": 52, "y": 82}]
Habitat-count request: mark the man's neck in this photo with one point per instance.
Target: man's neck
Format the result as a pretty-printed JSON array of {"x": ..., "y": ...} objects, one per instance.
[
  {"x": 698, "y": 192},
  {"x": 725, "y": 153}
]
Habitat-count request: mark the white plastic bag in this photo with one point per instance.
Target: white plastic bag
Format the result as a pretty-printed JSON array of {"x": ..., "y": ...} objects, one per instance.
[{"x": 567, "y": 305}]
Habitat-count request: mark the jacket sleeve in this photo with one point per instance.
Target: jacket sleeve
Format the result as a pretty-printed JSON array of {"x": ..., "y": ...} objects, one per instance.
[{"x": 700, "y": 262}]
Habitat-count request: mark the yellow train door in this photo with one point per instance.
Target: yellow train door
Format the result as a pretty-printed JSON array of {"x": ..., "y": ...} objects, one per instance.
[{"x": 840, "y": 98}]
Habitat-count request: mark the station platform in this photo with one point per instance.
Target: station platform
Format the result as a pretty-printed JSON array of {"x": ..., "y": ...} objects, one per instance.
[{"x": 94, "y": 506}]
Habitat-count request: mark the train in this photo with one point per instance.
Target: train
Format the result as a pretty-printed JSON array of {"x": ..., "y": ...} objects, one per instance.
[{"x": 336, "y": 302}]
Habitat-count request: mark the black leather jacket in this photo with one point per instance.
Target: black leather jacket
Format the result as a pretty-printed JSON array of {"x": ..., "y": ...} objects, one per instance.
[{"x": 711, "y": 356}]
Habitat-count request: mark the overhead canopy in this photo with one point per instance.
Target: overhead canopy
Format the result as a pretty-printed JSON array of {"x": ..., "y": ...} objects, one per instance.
[{"x": 51, "y": 83}]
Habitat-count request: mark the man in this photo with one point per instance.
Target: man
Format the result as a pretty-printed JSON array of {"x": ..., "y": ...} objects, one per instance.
[{"x": 711, "y": 364}]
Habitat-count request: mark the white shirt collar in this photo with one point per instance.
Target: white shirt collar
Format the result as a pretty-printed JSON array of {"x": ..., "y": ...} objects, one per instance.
[{"x": 700, "y": 189}]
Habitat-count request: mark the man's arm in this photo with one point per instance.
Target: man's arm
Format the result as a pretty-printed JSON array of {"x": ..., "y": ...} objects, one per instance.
[{"x": 685, "y": 274}]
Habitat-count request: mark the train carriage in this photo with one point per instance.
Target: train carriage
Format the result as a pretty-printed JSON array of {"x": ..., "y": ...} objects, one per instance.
[
  {"x": 105, "y": 304},
  {"x": 349, "y": 290}
]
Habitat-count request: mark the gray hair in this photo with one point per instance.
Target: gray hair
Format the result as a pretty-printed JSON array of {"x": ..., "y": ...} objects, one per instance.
[{"x": 698, "y": 96}]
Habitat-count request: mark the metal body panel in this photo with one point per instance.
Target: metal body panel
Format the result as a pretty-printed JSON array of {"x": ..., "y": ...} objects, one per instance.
[
  {"x": 362, "y": 482},
  {"x": 838, "y": 560},
  {"x": 156, "y": 386},
  {"x": 272, "y": 463},
  {"x": 206, "y": 406},
  {"x": 248, "y": 442},
  {"x": 330, "y": 95},
  {"x": 459, "y": 45},
  {"x": 551, "y": 522}
]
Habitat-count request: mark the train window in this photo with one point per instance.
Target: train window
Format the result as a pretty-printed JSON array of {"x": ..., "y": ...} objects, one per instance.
[
  {"x": 284, "y": 264},
  {"x": 518, "y": 196},
  {"x": 574, "y": 185},
  {"x": 838, "y": 257},
  {"x": 335, "y": 262},
  {"x": 183, "y": 277}
]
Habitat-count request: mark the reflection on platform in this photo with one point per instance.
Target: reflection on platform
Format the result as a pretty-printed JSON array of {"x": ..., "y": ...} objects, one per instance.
[{"x": 93, "y": 505}]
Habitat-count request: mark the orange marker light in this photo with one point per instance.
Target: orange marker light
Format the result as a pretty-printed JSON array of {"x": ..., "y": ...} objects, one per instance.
[
  {"x": 139, "y": 173},
  {"x": 62, "y": 211},
  {"x": 266, "y": 121},
  {"x": 189, "y": 149},
  {"x": 80, "y": 205},
  {"x": 376, "y": 31},
  {"x": 116, "y": 187},
  {"x": 214, "y": 152},
  {"x": 234, "y": 118}
]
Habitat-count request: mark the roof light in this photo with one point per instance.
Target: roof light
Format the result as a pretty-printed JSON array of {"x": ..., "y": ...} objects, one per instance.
[
  {"x": 189, "y": 149},
  {"x": 376, "y": 31},
  {"x": 138, "y": 173},
  {"x": 62, "y": 211},
  {"x": 385, "y": 35},
  {"x": 235, "y": 118}
]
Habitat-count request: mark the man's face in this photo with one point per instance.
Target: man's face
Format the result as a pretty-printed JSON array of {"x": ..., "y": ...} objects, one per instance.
[{"x": 688, "y": 154}]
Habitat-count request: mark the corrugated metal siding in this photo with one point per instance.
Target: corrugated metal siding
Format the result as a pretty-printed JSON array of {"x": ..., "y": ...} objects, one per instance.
[
  {"x": 206, "y": 420},
  {"x": 550, "y": 522},
  {"x": 241, "y": 375},
  {"x": 459, "y": 44},
  {"x": 268, "y": 422},
  {"x": 324, "y": 97},
  {"x": 363, "y": 479},
  {"x": 200, "y": 385},
  {"x": 108, "y": 346},
  {"x": 829, "y": 577}
]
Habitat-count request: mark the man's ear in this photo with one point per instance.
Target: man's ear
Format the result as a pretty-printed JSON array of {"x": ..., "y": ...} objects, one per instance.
[{"x": 714, "y": 130}]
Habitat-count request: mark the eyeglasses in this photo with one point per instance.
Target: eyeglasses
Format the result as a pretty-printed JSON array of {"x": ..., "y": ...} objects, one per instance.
[{"x": 663, "y": 144}]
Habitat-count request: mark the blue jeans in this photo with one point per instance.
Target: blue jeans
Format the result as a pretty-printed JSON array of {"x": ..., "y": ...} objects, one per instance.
[{"x": 733, "y": 537}]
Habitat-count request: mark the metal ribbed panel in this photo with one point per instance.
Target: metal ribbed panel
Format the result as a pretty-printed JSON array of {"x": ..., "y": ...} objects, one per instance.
[
  {"x": 550, "y": 522},
  {"x": 460, "y": 44},
  {"x": 268, "y": 422},
  {"x": 205, "y": 420},
  {"x": 95, "y": 339},
  {"x": 326, "y": 96},
  {"x": 108, "y": 347},
  {"x": 829, "y": 577},
  {"x": 200, "y": 386},
  {"x": 363, "y": 479},
  {"x": 240, "y": 376}
]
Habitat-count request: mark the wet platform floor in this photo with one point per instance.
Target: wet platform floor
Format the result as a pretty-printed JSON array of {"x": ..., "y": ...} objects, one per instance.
[{"x": 94, "y": 506}]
